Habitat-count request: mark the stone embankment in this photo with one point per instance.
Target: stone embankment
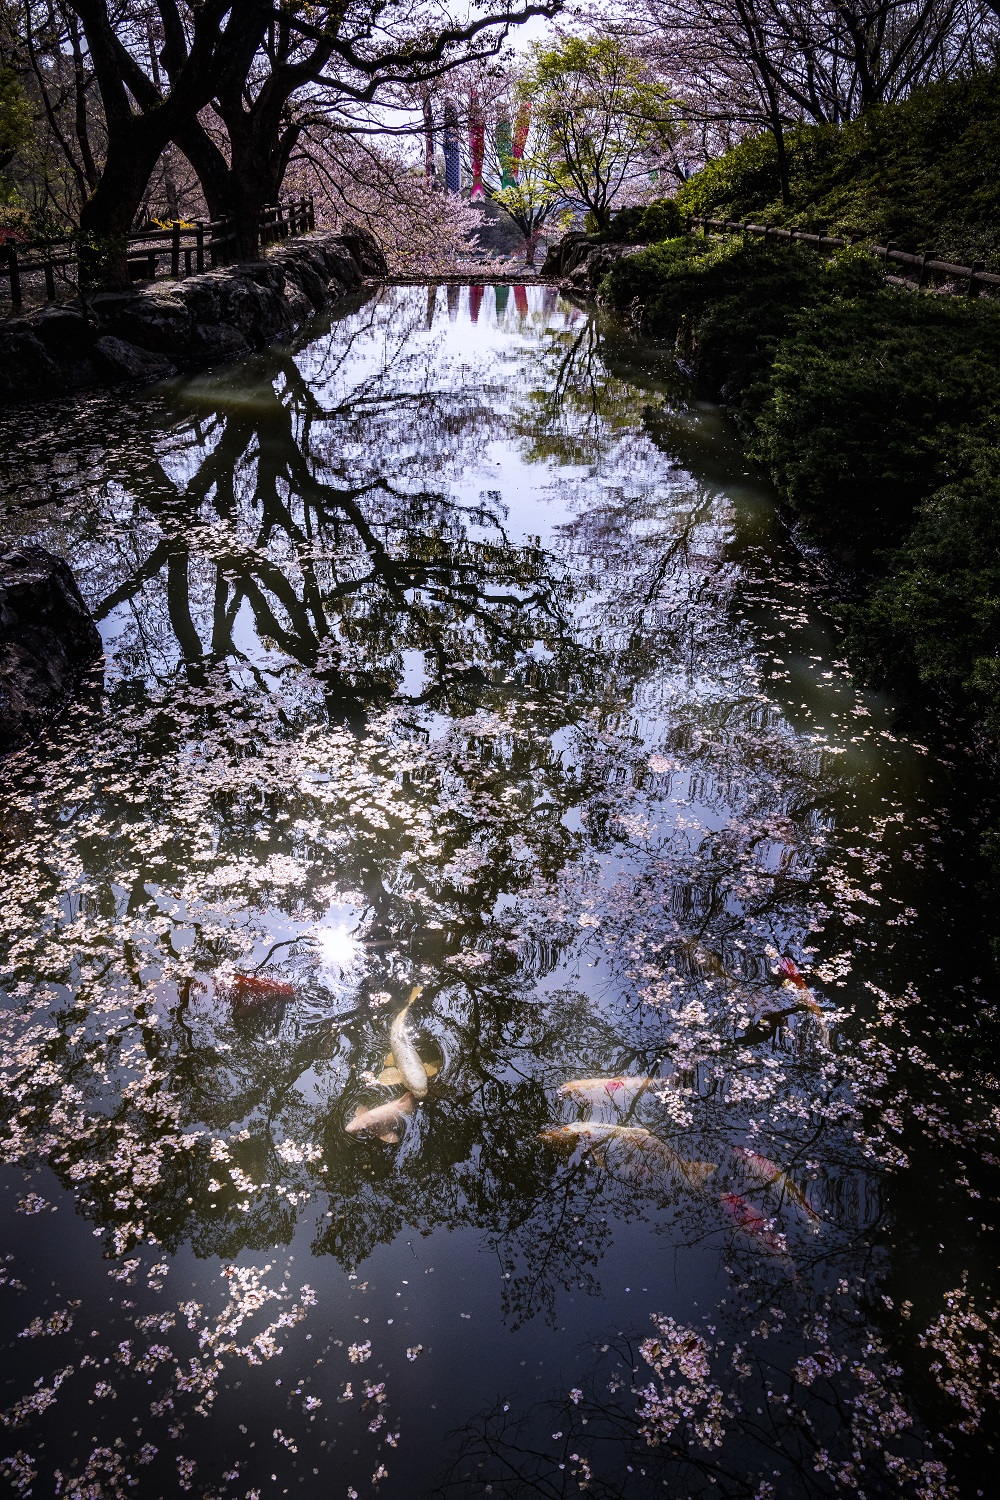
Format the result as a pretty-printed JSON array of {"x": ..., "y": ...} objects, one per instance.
[
  {"x": 578, "y": 262},
  {"x": 48, "y": 641},
  {"x": 134, "y": 337}
]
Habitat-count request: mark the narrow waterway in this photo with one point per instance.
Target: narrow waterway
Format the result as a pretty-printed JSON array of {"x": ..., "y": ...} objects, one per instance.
[{"x": 457, "y": 657}]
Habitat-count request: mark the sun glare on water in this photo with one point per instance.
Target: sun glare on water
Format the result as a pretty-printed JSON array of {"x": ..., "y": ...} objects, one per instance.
[{"x": 338, "y": 948}]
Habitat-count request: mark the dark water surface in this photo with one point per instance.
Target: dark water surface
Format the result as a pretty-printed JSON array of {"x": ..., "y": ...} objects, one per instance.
[{"x": 457, "y": 651}]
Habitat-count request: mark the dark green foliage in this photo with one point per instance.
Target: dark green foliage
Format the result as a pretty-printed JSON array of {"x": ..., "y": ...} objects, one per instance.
[
  {"x": 934, "y": 623},
  {"x": 875, "y": 411},
  {"x": 924, "y": 173},
  {"x": 661, "y": 220},
  {"x": 868, "y": 397},
  {"x": 641, "y": 225},
  {"x": 730, "y": 303}
]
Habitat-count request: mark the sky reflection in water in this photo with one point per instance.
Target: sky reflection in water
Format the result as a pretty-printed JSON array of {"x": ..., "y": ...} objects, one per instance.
[{"x": 457, "y": 649}]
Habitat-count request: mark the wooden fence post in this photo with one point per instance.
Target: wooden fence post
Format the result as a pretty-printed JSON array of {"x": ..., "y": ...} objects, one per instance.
[
  {"x": 50, "y": 281},
  {"x": 199, "y": 230},
  {"x": 175, "y": 249},
  {"x": 312, "y": 212},
  {"x": 922, "y": 278},
  {"x": 14, "y": 273},
  {"x": 977, "y": 266}
]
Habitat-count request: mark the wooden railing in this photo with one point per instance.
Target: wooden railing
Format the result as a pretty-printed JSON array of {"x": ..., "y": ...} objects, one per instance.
[
  {"x": 927, "y": 266},
  {"x": 183, "y": 249}
]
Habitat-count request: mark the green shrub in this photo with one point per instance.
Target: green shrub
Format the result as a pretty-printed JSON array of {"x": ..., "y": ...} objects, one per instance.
[
  {"x": 730, "y": 303},
  {"x": 934, "y": 623},
  {"x": 640, "y": 224},
  {"x": 868, "y": 397},
  {"x": 661, "y": 220},
  {"x": 924, "y": 173}
]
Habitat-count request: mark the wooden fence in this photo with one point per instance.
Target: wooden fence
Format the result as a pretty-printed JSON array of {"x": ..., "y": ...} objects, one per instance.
[
  {"x": 184, "y": 249},
  {"x": 973, "y": 279}
]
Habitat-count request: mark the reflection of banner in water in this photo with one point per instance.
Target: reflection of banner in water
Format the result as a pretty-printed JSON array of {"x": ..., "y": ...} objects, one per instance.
[
  {"x": 477, "y": 143},
  {"x": 475, "y": 302},
  {"x": 452, "y": 149},
  {"x": 521, "y": 125},
  {"x": 521, "y": 301},
  {"x": 502, "y": 293},
  {"x": 505, "y": 152},
  {"x": 428, "y": 138}
]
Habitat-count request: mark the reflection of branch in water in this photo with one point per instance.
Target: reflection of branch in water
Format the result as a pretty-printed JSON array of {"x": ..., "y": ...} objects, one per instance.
[{"x": 677, "y": 1413}]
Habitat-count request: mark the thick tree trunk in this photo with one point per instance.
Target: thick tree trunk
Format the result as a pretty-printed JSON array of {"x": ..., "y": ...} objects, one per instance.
[{"x": 108, "y": 215}]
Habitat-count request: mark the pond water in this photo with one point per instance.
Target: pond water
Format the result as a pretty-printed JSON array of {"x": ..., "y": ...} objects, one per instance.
[{"x": 456, "y": 655}]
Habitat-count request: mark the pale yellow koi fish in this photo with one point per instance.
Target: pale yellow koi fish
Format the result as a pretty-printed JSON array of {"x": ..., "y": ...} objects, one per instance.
[
  {"x": 405, "y": 1055},
  {"x": 639, "y": 1154},
  {"x": 390, "y": 1075},
  {"x": 384, "y": 1120}
]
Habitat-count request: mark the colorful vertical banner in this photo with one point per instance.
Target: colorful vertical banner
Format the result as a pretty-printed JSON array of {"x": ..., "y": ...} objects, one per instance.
[
  {"x": 475, "y": 301},
  {"x": 505, "y": 152},
  {"x": 452, "y": 149},
  {"x": 522, "y": 124},
  {"x": 428, "y": 137},
  {"x": 477, "y": 144}
]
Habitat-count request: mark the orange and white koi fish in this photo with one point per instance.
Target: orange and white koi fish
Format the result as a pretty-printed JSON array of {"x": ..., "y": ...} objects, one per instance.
[
  {"x": 771, "y": 1175},
  {"x": 746, "y": 1217},
  {"x": 387, "y": 1121}
]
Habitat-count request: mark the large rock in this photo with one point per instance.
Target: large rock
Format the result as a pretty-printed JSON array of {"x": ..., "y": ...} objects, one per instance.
[
  {"x": 579, "y": 262},
  {"x": 26, "y": 367},
  {"x": 156, "y": 321},
  {"x": 365, "y": 248},
  {"x": 119, "y": 361},
  {"x": 48, "y": 641}
]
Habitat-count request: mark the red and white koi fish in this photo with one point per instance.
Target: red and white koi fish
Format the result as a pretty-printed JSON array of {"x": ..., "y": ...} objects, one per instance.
[
  {"x": 387, "y": 1121},
  {"x": 791, "y": 975},
  {"x": 771, "y": 1175},
  {"x": 600, "y": 1090},
  {"x": 746, "y": 1217}
]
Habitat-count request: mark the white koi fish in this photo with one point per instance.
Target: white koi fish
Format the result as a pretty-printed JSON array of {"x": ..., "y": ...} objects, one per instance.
[
  {"x": 405, "y": 1054},
  {"x": 384, "y": 1120}
]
